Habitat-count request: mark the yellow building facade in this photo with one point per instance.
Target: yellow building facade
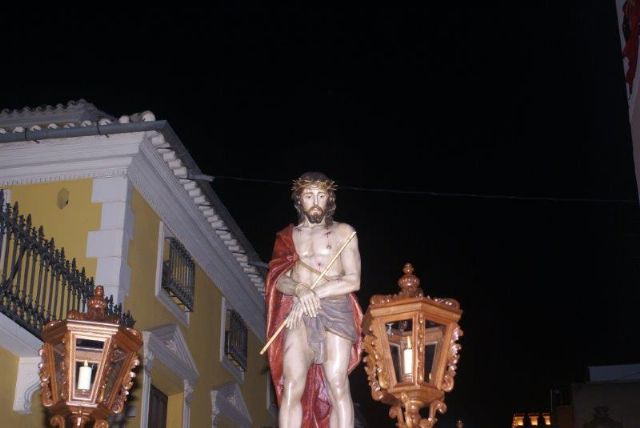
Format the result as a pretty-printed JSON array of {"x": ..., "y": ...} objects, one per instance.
[{"x": 124, "y": 199}]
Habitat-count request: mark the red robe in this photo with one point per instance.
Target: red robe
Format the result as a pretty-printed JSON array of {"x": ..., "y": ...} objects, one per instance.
[
  {"x": 316, "y": 405},
  {"x": 631, "y": 19}
]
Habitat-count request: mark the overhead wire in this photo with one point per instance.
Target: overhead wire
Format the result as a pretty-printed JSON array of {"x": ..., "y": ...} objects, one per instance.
[{"x": 444, "y": 194}]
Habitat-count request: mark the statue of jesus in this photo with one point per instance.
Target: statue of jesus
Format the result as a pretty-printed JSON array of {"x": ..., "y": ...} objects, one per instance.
[{"x": 310, "y": 362}]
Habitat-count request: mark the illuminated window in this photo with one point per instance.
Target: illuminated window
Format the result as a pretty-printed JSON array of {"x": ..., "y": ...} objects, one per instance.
[
  {"x": 518, "y": 420},
  {"x": 533, "y": 419},
  {"x": 547, "y": 419}
]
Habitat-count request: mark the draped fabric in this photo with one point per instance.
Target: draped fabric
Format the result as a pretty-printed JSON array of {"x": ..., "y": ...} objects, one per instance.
[
  {"x": 316, "y": 406},
  {"x": 631, "y": 30}
]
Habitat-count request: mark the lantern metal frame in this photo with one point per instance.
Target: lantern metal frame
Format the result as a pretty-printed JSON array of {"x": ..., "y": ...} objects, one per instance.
[
  {"x": 433, "y": 322},
  {"x": 95, "y": 339}
]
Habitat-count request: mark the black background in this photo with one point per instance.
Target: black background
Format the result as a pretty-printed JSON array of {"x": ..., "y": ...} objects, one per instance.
[{"x": 487, "y": 145}]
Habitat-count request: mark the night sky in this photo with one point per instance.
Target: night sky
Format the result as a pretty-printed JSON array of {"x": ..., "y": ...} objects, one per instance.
[{"x": 487, "y": 145}]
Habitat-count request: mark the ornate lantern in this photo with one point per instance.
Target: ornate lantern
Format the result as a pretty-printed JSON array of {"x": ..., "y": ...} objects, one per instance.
[
  {"x": 86, "y": 366},
  {"x": 412, "y": 351}
]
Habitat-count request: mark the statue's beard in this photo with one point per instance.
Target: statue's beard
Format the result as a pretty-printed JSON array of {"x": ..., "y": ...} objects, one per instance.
[{"x": 315, "y": 214}]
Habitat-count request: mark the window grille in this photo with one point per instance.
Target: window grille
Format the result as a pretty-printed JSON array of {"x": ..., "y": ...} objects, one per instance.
[
  {"x": 178, "y": 274},
  {"x": 236, "y": 337}
]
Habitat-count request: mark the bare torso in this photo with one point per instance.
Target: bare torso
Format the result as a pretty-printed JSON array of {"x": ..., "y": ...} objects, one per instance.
[{"x": 316, "y": 246}]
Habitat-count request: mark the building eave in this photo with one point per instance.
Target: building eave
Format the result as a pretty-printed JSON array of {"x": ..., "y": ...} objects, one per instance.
[{"x": 51, "y": 154}]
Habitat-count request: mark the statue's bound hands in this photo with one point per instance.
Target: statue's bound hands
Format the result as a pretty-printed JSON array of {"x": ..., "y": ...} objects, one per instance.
[{"x": 308, "y": 299}]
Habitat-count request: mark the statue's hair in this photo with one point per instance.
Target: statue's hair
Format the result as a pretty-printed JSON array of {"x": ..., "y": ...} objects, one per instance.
[{"x": 314, "y": 179}]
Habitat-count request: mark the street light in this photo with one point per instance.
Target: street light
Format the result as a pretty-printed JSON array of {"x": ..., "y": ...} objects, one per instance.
[
  {"x": 87, "y": 363},
  {"x": 412, "y": 351}
]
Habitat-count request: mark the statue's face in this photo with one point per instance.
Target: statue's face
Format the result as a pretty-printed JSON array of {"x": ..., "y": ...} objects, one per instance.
[{"x": 314, "y": 203}]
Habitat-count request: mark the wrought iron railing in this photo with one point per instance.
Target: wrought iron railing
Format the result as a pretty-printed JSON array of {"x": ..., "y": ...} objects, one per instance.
[
  {"x": 178, "y": 274},
  {"x": 38, "y": 283},
  {"x": 236, "y": 339}
]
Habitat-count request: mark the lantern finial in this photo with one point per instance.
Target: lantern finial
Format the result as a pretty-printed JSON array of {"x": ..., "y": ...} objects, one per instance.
[
  {"x": 95, "y": 309},
  {"x": 409, "y": 283}
]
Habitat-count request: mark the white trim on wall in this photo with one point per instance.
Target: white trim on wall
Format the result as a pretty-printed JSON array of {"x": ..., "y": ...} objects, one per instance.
[
  {"x": 27, "y": 383},
  {"x": 110, "y": 244},
  {"x": 167, "y": 345},
  {"x": 227, "y": 400},
  {"x": 16, "y": 339}
]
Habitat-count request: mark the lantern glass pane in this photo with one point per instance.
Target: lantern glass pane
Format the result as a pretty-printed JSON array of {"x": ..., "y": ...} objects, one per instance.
[
  {"x": 58, "y": 356},
  {"x": 117, "y": 359},
  {"x": 401, "y": 347},
  {"x": 433, "y": 335},
  {"x": 87, "y": 363}
]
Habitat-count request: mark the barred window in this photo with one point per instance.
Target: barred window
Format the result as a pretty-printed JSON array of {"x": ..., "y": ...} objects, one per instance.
[
  {"x": 178, "y": 274},
  {"x": 235, "y": 343}
]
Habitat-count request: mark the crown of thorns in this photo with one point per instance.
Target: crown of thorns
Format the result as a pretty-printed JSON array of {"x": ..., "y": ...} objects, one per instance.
[{"x": 326, "y": 185}]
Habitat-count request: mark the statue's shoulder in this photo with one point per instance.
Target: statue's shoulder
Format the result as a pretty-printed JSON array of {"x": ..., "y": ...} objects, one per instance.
[
  {"x": 343, "y": 229},
  {"x": 285, "y": 233},
  {"x": 286, "y": 230}
]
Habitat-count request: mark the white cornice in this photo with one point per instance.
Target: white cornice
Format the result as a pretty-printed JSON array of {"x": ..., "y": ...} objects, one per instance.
[{"x": 67, "y": 159}]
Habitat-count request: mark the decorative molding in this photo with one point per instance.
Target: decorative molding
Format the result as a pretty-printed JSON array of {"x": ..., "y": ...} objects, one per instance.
[
  {"x": 188, "y": 392},
  {"x": 25, "y": 346},
  {"x": 110, "y": 244},
  {"x": 16, "y": 339},
  {"x": 215, "y": 411},
  {"x": 147, "y": 362},
  {"x": 146, "y": 390},
  {"x": 27, "y": 382},
  {"x": 228, "y": 401},
  {"x": 452, "y": 359},
  {"x": 186, "y": 407},
  {"x": 67, "y": 159},
  {"x": 167, "y": 345}
]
